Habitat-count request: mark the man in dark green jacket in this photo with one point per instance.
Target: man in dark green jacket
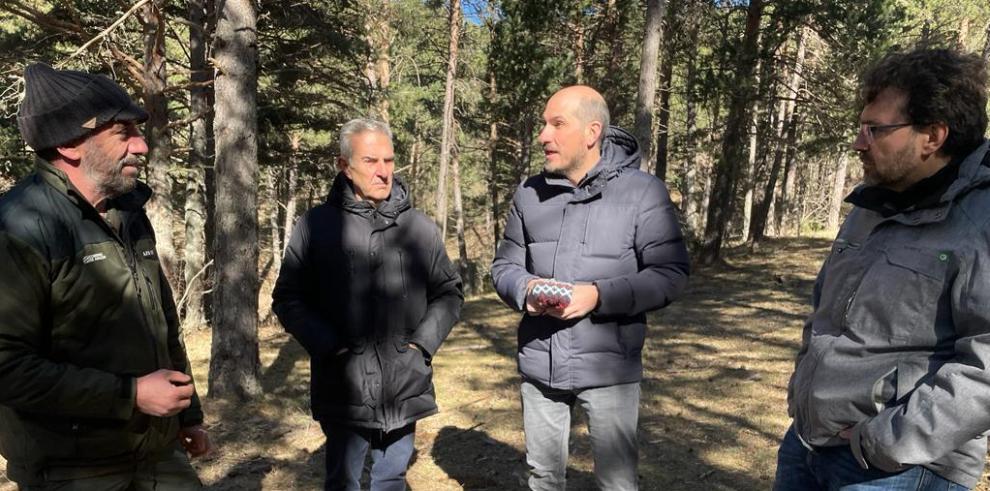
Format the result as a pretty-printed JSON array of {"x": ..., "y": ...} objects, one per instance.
[{"x": 94, "y": 384}]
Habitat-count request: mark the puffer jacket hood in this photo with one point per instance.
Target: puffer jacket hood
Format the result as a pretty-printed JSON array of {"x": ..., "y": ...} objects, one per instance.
[
  {"x": 619, "y": 153},
  {"x": 342, "y": 196}
]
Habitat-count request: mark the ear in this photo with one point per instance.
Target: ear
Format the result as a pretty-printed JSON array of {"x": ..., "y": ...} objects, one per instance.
[
  {"x": 72, "y": 154},
  {"x": 934, "y": 136},
  {"x": 592, "y": 132},
  {"x": 343, "y": 166}
]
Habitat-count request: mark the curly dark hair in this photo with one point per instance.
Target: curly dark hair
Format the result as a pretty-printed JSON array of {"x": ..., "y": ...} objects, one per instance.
[{"x": 941, "y": 85}]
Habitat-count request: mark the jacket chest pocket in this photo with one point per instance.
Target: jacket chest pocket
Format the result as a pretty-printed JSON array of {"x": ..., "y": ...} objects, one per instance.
[
  {"x": 609, "y": 231},
  {"x": 898, "y": 299}
]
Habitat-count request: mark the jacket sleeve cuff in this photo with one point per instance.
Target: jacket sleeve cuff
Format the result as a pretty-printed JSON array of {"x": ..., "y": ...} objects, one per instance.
[
  {"x": 124, "y": 401},
  {"x": 855, "y": 444},
  {"x": 615, "y": 296}
]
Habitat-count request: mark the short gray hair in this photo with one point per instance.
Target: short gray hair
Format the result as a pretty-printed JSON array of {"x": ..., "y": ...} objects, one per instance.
[
  {"x": 594, "y": 109},
  {"x": 356, "y": 126}
]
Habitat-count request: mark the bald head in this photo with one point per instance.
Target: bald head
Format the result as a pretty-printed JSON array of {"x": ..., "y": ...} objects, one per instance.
[
  {"x": 576, "y": 118},
  {"x": 586, "y": 104}
]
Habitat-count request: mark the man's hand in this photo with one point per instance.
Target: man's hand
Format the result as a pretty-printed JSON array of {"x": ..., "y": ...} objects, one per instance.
[
  {"x": 195, "y": 440},
  {"x": 583, "y": 301},
  {"x": 846, "y": 434},
  {"x": 533, "y": 305},
  {"x": 163, "y": 393}
]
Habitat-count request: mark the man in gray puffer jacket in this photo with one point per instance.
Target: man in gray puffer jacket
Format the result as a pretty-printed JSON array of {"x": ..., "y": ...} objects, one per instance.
[
  {"x": 593, "y": 220},
  {"x": 891, "y": 388}
]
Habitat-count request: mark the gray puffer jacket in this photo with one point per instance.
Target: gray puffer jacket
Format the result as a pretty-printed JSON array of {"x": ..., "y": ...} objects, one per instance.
[
  {"x": 898, "y": 345},
  {"x": 616, "y": 229}
]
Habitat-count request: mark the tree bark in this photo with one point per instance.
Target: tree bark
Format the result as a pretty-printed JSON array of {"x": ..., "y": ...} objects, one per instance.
[
  {"x": 691, "y": 196},
  {"x": 378, "y": 34},
  {"x": 838, "y": 191},
  {"x": 496, "y": 214},
  {"x": 447, "y": 133},
  {"x": 785, "y": 125},
  {"x": 986, "y": 45},
  {"x": 234, "y": 362},
  {"x": 200, "y": 143},
  {"x": 292, "y": 189},
  {"x": 159, "y": 138},
  {"x": 646, "y": 96},
  {"x": 727, "y": 170},
  {"x": 462, "y": 257}
]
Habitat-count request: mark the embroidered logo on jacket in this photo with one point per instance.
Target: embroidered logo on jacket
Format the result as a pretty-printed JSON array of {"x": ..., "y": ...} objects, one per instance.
[
  {"x": 92, "y": 258},
  {"x": 148, "y": 253}
]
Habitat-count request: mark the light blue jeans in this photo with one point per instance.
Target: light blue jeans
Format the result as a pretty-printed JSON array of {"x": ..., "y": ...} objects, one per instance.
[
  {"x": 613, "y": 413},
  {"x": 836, "y": 469}
]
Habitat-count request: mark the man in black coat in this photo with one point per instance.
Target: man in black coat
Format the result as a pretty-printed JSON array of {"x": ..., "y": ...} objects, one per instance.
[{"x": 367, "y": 288}]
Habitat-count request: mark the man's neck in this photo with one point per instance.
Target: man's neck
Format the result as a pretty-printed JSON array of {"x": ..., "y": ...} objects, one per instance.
[
  {"x": 590, "y": 160},
  {"x": 82, "y": 184}
]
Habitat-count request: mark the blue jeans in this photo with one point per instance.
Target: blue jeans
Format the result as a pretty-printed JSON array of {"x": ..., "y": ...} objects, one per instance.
[
  {"x": 347, "y": 447},
  {"x": 835, "y": 469},
  {"x": 612, "y": 411}
]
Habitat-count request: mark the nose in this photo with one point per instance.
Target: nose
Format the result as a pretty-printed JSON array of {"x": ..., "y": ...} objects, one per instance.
[
  {"x": 136, "y": 145},
  {"x": 861, "y": 143},
  {"x": 544, "y": 136}
]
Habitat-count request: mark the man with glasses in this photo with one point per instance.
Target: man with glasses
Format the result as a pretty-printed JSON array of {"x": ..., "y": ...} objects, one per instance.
[{"x": 890, "y": 388}]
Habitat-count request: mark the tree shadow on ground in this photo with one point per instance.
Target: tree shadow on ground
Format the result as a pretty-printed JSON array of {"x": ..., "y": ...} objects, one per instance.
[{"x": 479, "y": 462}]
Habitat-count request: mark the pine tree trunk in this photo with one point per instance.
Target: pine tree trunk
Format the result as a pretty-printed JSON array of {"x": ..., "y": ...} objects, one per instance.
[
  {"x": 493, "y": 184},
  {"x": 378, "y": 34},
  {"x": 292, "y": 189},
  {"x": 234, "y": 362},
  {"x": 194, "y": 313},
  {"x": 986, "y": 45},
  {"x": 646, "y": 96},
  {"x": 690, "y": 205},
  {"x": 462, "y": 257},
  {"x": 159, "y": 138},
  {"x": 785, "y": 124},
  {"x": 273, "y": 178},
  {"x": 728, "y": 168},
  {"x": 838, "y": 191},
  {"x": 666, "y": 86},
  {"x": 447, "y": 136},
  {"x": 785, "y": 207}
]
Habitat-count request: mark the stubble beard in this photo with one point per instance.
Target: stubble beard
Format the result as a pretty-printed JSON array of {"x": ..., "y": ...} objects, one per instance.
[
  {"x": 896, "y": 169},
  {"x": 108, "y": 176}
]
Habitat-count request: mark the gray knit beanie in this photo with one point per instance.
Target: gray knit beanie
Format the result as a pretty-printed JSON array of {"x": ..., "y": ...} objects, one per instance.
[{"x": 62, "y": 105}]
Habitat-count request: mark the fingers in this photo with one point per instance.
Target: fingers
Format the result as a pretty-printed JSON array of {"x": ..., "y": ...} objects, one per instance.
[{"x": 177, "y": 377}]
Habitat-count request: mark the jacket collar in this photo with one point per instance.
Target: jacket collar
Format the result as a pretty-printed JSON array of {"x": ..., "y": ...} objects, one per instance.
[
  {"x": 620, "y": 152},
  {"x": 342, "y": 196}
]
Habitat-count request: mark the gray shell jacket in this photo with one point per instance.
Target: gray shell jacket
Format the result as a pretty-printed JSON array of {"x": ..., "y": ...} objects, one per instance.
[
  {"x": 616, "y": 229},
  {"x": 898, "y": 344}
]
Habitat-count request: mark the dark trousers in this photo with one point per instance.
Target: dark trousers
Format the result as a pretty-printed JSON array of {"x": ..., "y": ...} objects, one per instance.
[
  {"x": 836, "y": 469},
  {"x": 169, "y": 472},
  {"x": 346, "y": 450}
]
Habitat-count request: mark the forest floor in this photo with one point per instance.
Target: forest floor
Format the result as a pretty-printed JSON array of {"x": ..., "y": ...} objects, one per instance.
[{"x": 712, "y": 414}]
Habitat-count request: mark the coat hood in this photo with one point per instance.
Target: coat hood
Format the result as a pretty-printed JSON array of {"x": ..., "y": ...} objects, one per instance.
[{"x": 342, "y": 196}]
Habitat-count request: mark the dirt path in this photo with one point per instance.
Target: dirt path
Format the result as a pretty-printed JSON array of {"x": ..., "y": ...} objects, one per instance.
[{"x": 713, "y": 408}]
